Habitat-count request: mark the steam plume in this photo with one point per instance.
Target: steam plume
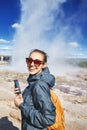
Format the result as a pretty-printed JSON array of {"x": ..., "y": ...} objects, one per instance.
[{"x": 37, "y": 30}]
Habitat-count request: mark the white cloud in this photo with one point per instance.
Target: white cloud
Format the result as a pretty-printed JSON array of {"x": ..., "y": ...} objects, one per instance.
[
  {"x": 5, "y": 45},
  {"x": 16, "y": 25},
  {"x": 82, "y": 55},
  {"x": 4, "y": 41},
  {"x": 74, "y": 44}
]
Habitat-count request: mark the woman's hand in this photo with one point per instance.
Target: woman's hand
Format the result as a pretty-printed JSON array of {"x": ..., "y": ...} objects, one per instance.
[
  {"x": 15, "y": 90},
  {"x": 18, "y": 99}
]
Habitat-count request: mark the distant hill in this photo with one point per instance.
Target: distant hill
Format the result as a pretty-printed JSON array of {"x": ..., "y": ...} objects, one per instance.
[{"x": 78, "y": 62}]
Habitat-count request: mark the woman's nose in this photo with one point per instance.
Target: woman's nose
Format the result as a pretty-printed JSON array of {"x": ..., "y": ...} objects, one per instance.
[{"x": 32, "y": 63}]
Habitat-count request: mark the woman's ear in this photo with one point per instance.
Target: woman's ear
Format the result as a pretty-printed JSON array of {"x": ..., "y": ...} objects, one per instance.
[{"x": 44, "y": 65}]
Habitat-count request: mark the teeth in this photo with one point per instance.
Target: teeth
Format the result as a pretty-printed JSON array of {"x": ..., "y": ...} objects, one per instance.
[{"x": 32, "y": 69}]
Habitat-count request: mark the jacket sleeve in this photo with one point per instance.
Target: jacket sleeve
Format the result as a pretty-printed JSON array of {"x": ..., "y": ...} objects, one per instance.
[{"x": 43, "y": 114}]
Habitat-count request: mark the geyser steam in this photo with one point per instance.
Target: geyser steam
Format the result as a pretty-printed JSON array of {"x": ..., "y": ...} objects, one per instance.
[{"x": 37, "y": 29}]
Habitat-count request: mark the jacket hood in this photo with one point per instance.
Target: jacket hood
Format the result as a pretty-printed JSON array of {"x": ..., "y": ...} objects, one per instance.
[{"x": 44, "y": 76}]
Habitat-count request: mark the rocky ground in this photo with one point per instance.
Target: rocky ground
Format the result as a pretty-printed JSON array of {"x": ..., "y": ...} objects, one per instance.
[{"x": 71, "y": 89}]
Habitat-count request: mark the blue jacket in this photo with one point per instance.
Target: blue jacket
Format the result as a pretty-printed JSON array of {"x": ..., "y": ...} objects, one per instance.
[{"x": 38, "y": 111}]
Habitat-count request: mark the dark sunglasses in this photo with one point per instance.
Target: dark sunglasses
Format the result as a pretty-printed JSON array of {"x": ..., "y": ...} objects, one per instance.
[{"x": 36, "y": 62}]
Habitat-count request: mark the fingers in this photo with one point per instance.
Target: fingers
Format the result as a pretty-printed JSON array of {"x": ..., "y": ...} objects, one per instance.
[
  {"x": 18, "y": 99},
  {"x": 19, "y": 96},
  {"x": 15, "y": 90}
]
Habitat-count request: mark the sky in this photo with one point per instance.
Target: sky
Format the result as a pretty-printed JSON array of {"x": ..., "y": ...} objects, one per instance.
[
  {"x": 9, "y": 14},
  {"x": 57, "y": 26}
]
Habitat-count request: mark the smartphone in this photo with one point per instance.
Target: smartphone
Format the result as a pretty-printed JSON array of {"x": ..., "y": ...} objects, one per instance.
[{"x": 16, "y": 83}]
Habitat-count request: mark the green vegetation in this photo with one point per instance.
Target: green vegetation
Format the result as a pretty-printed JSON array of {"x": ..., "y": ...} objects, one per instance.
[
  {"x": 83, "y": 64},
  {"x": 77, "y": 62}
]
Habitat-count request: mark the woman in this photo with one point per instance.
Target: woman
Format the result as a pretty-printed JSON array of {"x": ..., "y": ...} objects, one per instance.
[{"x": 37, "y": 109}]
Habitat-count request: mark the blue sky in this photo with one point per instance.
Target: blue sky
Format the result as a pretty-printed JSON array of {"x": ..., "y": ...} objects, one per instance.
[
  {"x": 9, "y": 14},
  {"x": 66, "y": 19}
]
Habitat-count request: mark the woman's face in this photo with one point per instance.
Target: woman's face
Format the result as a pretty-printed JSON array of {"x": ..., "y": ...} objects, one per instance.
[{"x": 35, "y": 63}]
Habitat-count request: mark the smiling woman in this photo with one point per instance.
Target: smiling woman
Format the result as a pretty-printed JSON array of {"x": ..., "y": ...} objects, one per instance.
[{"x": 37, "y": 109}]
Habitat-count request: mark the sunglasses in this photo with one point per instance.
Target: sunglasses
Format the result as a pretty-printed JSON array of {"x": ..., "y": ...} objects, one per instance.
[{"x": 36, "y": 62}]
